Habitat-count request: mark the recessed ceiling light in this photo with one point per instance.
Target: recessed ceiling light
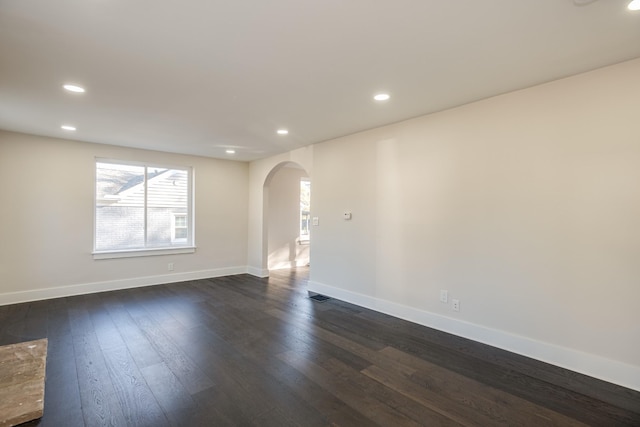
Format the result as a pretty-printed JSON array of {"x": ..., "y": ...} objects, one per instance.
[
  {"x": 68, "y": 127},
  {"x": 282, "y": 131},
  {"x": 634, "y": 5},
  {"x": 381, "y": 97},
  {"x": 74, "y": 88},
  {"x": 230, "y": 151}
]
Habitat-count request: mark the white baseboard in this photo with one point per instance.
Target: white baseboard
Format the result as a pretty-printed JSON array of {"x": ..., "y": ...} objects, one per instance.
[
  {"x": 287, "y": 265},
  {"x": 599, "y": 367},
  {"x": 112, "y": 285},
  {"x": 258, "y": 272}
]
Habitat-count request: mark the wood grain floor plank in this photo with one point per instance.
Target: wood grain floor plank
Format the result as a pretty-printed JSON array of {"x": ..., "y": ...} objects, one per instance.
[
  {"x": 13, "y": 326},
  {"x": 250, "y": 375},
  {"x": 191, "y": 377},
  {"x": 62, "y": 404},
  {"x": 398, "y": 401},
  {"x": 364, "y": 352},
  {"x": 224, "y": 407},
  {"x": 234, "y": 381},
  {"x": 377, "y": 411},
  {"x": 332, "y": 409},
  {"x": 62, "y": 394},
  {"x": 428, "y": 399},
  {"x": 138, "y": 404},
  {"x": 495, "y": 405},
  {"x": 336, "y": 412},
  {"x": 100, "y": 406},
  {"x": 140, "y": 348},
  {"x": 106, "y": 331},
  {"x": 175, "y": 401}
]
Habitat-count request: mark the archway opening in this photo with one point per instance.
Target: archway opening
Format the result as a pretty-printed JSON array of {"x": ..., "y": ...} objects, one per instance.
[{"x": 287, "y": 205}]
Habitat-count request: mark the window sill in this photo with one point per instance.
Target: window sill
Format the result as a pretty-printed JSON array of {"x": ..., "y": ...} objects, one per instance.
[{"x": 143, "y": 252}]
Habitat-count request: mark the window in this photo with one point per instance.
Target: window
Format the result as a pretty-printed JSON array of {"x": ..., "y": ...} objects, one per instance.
[
  {"x": 142, "y": 208},
  {"x": 305, "y": 208},
  {"x": 179, "y": 230}
]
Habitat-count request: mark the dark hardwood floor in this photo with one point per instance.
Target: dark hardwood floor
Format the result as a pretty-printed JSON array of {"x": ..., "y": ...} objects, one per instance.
[{"x": 240, "y": 351}]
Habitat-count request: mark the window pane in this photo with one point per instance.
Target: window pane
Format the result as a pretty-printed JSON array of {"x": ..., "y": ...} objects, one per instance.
[
  {"x": 119, "y": 206},
  {"x": 167, "y": 194},
  {"x": 304, "y": 224},
  {"x": 305, "y": 206}
]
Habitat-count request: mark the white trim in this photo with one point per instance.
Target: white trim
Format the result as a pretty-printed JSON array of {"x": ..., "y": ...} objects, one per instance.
[
  {"x": 112, "y": 285},
  {"x": 258, "y": 272},
  {"x": 131, "y": 253},
  {"x": 605, "y": 369},
  {"x": 290, "y": 264},
  {"x": 143, "y": 163}
]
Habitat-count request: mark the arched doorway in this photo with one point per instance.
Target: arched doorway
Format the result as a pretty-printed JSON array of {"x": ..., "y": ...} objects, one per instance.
[{"x": 286, "y": 195}]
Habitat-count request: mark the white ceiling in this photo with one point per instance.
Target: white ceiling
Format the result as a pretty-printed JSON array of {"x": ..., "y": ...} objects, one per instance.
[{"x": 201, "y": 76}]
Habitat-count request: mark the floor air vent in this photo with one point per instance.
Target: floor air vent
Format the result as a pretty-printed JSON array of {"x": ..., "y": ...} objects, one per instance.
[{"x": 319, "y": 298}]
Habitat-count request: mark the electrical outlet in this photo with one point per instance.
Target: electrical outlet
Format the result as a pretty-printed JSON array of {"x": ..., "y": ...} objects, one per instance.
[
  {"x": 170, "y": 266},
  {"x": 444, "y": 296},
  {"x": 455, "y": 304}
]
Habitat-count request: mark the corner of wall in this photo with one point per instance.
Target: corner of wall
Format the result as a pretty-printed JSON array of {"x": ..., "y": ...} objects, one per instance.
[{"x": 258, "y": 272}]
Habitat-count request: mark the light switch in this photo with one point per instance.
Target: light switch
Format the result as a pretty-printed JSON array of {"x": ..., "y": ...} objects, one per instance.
[
  {"x": 315, "y": 221},
  {"x": 347, "y": 216}
]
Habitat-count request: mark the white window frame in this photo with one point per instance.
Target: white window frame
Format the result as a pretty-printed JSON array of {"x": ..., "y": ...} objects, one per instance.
[{"x": 189, "y": 247}]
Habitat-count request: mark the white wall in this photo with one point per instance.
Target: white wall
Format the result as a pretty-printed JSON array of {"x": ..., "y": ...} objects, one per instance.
[
  {"x": 46, "y": 220},
  {"x": 283, "y": 218},
  {"x": 525, "y": 207}
]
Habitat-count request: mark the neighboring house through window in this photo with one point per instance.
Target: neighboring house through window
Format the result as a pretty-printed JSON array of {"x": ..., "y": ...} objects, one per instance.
[
  {"x": 179, "y": 230},
  {"x": 142, "y": 207}
]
